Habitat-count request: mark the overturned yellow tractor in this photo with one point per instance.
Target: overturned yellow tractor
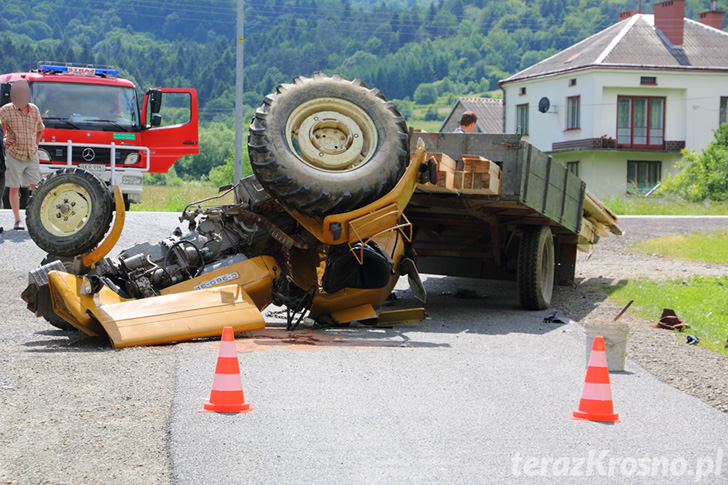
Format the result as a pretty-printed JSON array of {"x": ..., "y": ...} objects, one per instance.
[
  {"x": 343, "y": 201},
  {"x": 320, "y": 230}
]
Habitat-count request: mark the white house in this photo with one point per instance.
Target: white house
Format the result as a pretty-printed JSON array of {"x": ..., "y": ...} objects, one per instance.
[{"x": 618, "y": 107}]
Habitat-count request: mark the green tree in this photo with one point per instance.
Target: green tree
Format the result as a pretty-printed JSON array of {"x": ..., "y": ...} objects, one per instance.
[
  {"x": 432, "y": 114},
  {"x": 703, "y": 176},
  {"x": 425, "y": 93},
  {"x": 216, "y": 145}
]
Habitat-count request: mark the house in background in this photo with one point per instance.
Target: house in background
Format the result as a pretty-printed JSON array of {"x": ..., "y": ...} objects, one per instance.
[
  {"x": 618, "y": 107},
  {"x": 488, "y": 110}
]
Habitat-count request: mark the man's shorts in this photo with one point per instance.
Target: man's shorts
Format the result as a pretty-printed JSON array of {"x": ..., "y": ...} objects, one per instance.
[{"x": 21, "y": 174}]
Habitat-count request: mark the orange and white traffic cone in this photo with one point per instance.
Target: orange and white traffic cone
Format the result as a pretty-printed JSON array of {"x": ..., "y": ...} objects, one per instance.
[
  {"x": 596, "y": 398},
  {"x": 227, "y": 388}
]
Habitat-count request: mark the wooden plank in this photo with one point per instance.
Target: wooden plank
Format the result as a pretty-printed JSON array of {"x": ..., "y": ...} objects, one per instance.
[
  {"x": 597, "y": 211},
  {"x": 557, "y": 191},
  {"x": 526, "y": 172},
  {"x": 587, "y": 235},
  {"x": 445, "y": 164},
  {"x": 546, "y": 185},
  {"x": 565, "y": 196}
]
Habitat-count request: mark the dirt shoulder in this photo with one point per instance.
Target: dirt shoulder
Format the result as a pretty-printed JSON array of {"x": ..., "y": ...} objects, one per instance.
[{"x": 692, "y": 369}]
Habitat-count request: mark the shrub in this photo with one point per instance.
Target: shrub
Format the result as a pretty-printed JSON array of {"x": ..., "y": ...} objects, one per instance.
[{"x": 703, "y": 176}]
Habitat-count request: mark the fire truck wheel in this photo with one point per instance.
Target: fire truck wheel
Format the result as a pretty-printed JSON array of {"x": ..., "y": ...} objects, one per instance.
[
  {"x": 70, "y": 212},
  {"x": 536, "y": 267},
  {"x": 325, "y": 145}
]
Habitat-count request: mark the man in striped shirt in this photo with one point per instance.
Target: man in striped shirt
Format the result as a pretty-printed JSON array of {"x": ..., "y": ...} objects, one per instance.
[{"x": 23, "y": 129}]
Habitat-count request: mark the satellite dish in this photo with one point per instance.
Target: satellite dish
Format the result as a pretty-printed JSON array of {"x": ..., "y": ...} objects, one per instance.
[{"x": 544, "y": 104}]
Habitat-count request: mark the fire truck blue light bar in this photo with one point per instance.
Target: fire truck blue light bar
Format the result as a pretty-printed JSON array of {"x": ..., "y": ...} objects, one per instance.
[{"x": 88, "y": 71}]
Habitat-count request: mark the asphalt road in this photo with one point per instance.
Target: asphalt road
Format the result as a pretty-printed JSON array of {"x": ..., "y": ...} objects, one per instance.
[
  {"x": 480, "y": 392},
  {"x": 470, "y": 396}
]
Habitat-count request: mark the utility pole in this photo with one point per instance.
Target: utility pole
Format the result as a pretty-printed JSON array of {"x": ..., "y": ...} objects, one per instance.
[{"x": 239, "y": 95}]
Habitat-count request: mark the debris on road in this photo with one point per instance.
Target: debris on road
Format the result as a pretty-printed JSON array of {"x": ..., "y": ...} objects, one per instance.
[
  {"x": 554, "y": 319},
  {"x": 670, "y": 321}
]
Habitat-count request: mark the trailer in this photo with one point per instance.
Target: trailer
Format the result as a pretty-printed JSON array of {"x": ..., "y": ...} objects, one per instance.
[{"x": 502, "y": 209}]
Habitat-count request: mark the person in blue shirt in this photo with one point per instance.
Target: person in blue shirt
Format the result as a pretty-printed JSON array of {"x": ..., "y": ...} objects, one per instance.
[{"x": 467, "y": 122}]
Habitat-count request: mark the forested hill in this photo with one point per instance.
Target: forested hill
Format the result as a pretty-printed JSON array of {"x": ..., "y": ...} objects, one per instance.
[
  {"x": 425, "y": 51},
  {"x": 397, "y": 46}
]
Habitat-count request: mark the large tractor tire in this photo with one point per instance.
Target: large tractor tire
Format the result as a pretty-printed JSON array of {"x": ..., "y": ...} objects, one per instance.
[
  {"x": 70, "y": 212},
  {"x": 325, "y": 145},
  {"x": 536, "y": 266}
]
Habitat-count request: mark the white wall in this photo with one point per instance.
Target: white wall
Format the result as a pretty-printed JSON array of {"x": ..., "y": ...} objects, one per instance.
[
  {"x": 605, "y": 172},
  {"x": 692, "y": 104},
  {"x": 550, "y": 127}
]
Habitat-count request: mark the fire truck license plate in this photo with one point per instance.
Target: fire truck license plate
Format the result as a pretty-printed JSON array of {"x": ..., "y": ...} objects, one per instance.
[{"x": 93, "y": 167}]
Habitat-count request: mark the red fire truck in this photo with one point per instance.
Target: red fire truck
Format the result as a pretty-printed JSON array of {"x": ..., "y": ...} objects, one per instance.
[{"x": 94, "y": 120}]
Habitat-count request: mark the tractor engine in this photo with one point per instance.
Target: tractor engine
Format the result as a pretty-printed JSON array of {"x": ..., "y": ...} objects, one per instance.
[{"x": 144, "y": 269}]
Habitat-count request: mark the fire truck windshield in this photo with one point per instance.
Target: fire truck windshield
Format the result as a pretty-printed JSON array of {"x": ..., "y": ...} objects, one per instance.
[{"x": 86, "y": 106}]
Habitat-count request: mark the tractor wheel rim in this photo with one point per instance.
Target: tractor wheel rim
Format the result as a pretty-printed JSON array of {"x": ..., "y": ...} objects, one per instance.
[
  {"x": 65, "y": 210},
  {"x": 331, "y": 134}
]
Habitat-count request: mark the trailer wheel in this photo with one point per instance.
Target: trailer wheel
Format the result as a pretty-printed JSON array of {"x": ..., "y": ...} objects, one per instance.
[
  {"x": 536, "y": 263},
  {"x": 70, "y": 212},
  {"x": 324, "y": 145}
]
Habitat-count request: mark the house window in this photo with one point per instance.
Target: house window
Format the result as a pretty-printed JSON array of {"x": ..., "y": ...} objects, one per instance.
[
  {"x": 573, "y": 115},
  {"x": 643, "y": 176},
  {"x": 522, "y": 91},
  {"x": 572, "y": 82},
  {"x": 522, "y": 119},
  {"x": 640, "y": 122},
  {"x": 648, "y": 80},
  {"x": 723, "y": 110},
  {"x": 573, "y": 167}
]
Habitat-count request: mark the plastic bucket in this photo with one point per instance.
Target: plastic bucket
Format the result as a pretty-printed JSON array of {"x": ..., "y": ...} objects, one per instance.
[{"x": 615, "y": 341}]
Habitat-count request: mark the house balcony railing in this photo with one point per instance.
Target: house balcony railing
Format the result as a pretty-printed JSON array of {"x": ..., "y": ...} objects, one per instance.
[{"x": 610, "y": 144}]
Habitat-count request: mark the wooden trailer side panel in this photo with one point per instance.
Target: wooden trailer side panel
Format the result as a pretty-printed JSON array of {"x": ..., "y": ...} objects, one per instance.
[{"x": 552, "y": 190}]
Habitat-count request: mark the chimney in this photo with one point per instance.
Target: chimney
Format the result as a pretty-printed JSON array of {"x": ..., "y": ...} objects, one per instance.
[
  {"x": 713, "y": 17},
  {"x": 669, "y": 19},
  {"x": 627, "y": 14}
]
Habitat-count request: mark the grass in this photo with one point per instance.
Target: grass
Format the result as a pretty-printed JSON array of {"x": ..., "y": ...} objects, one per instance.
[
  {"x": 430, "y": 126},
  {"x": 709, "y": 247},
  {"x": 651, "y": 206},
  {"x": 702, "y": 302},
  {"x": 162, "y": 198}
]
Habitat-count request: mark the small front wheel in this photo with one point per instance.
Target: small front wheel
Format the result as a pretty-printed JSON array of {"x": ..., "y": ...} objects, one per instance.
[{"x": 70, "y": 212}]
